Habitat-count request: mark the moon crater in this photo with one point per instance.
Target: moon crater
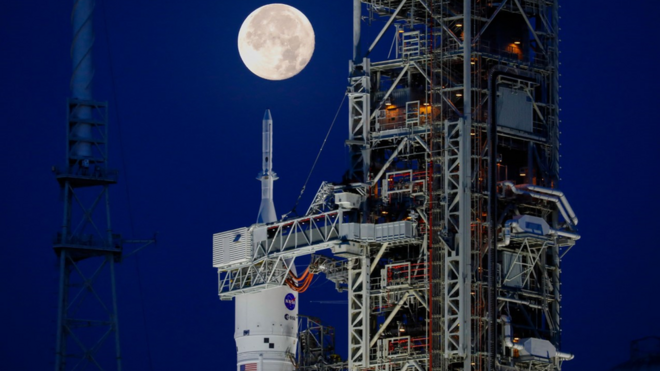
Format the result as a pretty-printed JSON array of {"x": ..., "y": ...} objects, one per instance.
[{"x": 276, "y": 41}]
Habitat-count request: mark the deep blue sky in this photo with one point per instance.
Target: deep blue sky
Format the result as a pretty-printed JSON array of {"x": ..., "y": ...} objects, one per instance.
[{"x": 190, "y": 116}]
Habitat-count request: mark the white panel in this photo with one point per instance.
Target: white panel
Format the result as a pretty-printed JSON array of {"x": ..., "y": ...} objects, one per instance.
[
  {"x": 512, "y": 270},
  {"x": 514, "y": 109},
  {"x": 540, "y": 348},
  {"x": 348, "y": 200},
  {"x": 232, "y": 247},
  {"x": 532, "y": 225},
  {"x": 377, "y": 232}
]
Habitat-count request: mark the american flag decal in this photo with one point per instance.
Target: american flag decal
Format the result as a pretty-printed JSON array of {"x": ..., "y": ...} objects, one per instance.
[{"x": 249, "y": 367}]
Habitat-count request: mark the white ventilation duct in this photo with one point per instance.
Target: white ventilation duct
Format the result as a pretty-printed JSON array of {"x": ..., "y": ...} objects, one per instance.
[{"x": 546, "y": 194}]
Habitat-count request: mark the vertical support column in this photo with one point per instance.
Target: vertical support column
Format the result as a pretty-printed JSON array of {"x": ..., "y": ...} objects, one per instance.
[
  {"x": 554, "y": 65},
  {"x": 108, "y": 223},
  {"x": 358, "y": 314},
  {"x": 465, "y": 193},
  {"x": 556, "y": 304},
  {"x": 359, "y": 111},
  {"x": 113, "y": 317},
  {"x": 66, "y": 217},
  {"x": 492, "y": 227},
  {"x": 60, "y": 345}
]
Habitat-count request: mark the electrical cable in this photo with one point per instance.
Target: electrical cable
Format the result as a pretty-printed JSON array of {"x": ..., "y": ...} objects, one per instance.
[
  {"x": 128, "y": 196},
  {"x": 293, "y": 210}
]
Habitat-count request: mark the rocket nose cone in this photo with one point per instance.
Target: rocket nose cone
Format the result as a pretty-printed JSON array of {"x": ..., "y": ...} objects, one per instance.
[{"x": 267, "y": 115}]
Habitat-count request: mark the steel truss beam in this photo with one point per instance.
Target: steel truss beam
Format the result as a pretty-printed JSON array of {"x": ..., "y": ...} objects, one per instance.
[
  {"x": 358, "y": 313},
  {"x": 74, "y": 323}
]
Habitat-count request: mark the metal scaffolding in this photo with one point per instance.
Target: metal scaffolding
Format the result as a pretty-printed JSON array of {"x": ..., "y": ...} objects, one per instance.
[{"x": 449, "y": 227}]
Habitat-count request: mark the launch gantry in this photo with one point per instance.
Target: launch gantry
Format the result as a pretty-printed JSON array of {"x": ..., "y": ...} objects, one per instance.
[{"x": 448, "y": 228}]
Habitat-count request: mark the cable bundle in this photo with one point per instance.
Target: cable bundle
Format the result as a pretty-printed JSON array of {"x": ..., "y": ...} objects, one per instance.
[{"x": 300, "y": 284}]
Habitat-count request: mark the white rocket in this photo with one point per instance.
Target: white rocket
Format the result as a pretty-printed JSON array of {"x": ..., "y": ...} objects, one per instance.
[
  {"x": 267, "y": 176},
  {"x": 266, "y": 326}
]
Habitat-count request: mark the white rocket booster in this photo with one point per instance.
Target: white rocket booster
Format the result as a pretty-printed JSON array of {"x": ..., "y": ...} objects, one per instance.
[{"x": 266, "y": 327}]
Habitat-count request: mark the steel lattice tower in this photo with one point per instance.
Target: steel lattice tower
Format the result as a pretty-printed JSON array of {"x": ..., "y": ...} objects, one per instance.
[
  {"x": 448, "y": 229},
  {"x": 86, "y": 246}
]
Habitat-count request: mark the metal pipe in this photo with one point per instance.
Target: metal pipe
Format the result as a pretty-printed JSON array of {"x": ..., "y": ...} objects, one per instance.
[
  {"x": 572, "y": 236},
  {"x": 545, "y": 197},
  {"x": 506, "y": 232},
  {"x": 387, "y": 25},
  {"x": 387, "y": 164},
  {"x": 520, "y": 301},
  {"x": 83, "y": 71},
  {"x": 561, "y": 196},
  {"x": 566, "y": 356}
]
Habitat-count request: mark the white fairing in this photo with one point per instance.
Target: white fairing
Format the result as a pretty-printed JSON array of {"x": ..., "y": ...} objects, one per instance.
[
  {"x": 266, "y": 329},
  {"x": 267, "y": 208}
]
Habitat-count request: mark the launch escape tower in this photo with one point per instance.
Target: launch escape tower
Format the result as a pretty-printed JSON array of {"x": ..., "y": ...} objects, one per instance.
[{"x": 448, "y": 229}]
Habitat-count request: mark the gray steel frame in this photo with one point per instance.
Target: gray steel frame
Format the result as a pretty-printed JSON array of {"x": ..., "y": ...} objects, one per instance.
[{"x": 445, "y": 130}]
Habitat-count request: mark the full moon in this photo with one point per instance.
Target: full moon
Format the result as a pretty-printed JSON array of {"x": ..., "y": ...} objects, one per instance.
[{"x": 276, "y": 41}]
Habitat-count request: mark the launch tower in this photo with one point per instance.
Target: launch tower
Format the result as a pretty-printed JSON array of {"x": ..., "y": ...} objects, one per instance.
[{"x": 448, "y": 229}]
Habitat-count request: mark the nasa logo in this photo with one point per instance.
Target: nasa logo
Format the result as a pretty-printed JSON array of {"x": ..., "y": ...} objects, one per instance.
[{"x": 290, "y": 301}]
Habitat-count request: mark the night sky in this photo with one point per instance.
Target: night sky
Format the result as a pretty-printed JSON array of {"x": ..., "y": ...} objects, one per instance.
[{"x": 189, "y": 114}]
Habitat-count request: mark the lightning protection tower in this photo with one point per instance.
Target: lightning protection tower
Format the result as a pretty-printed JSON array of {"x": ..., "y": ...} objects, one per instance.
[
  {"x": 449, "y": 228},
  {"x": 87, "y": 332}
]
